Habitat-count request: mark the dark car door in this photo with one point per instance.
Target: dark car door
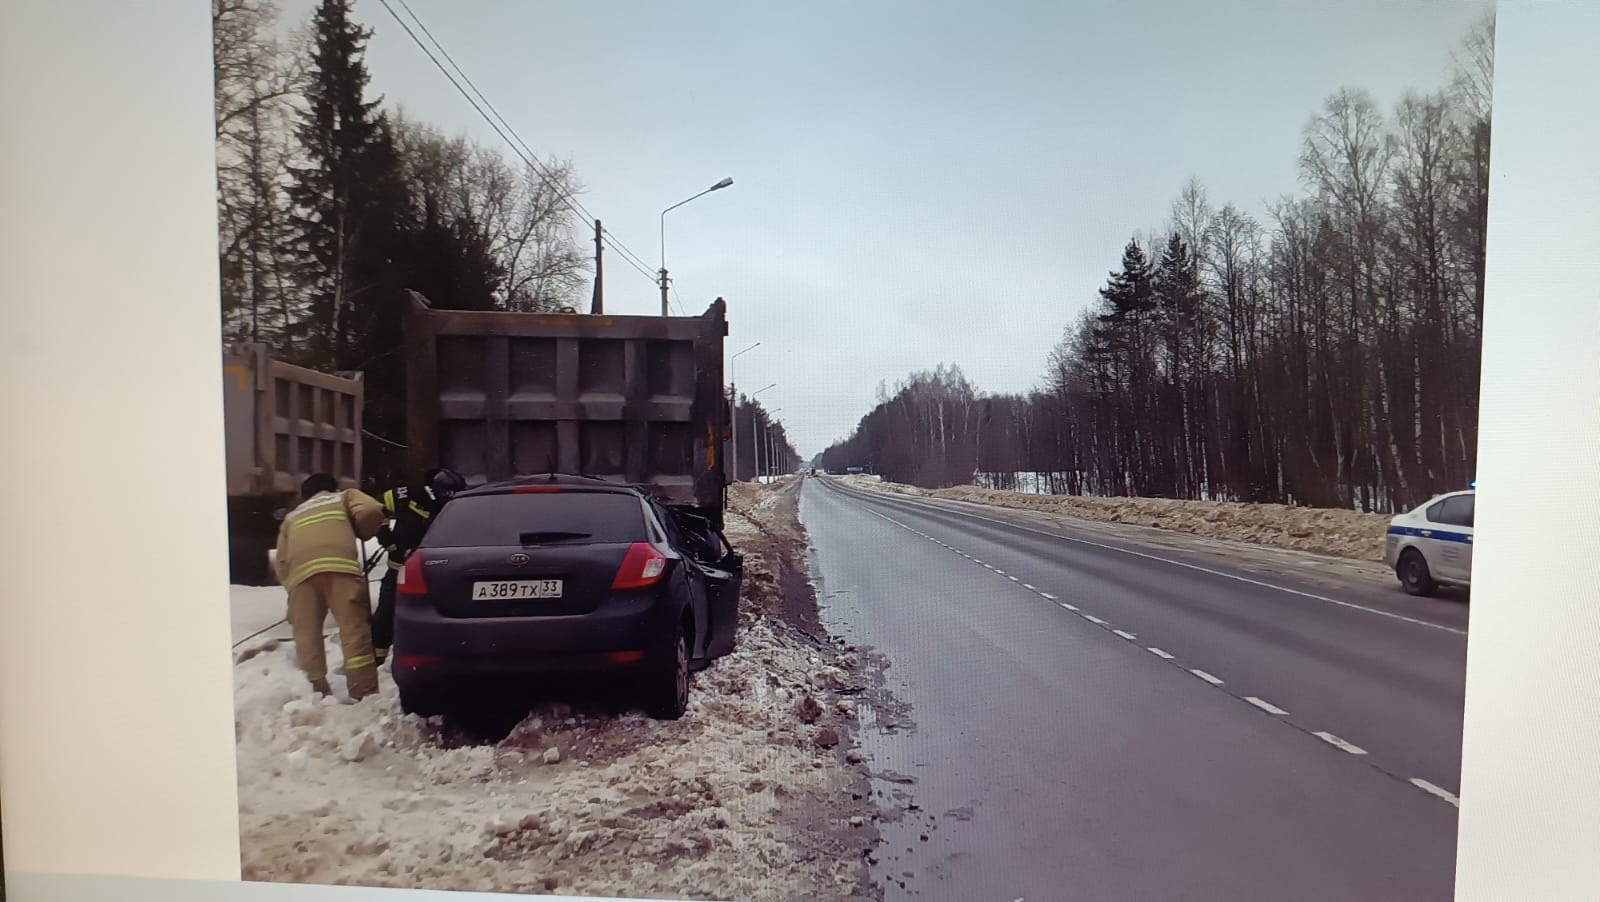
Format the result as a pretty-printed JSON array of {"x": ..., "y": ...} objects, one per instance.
[
  {"x": 693, "y": 575},
  {"x": 723, "y": 569}
]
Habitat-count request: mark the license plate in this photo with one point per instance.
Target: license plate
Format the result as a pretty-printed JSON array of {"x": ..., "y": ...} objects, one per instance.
[{"x": 513, "y": 590}]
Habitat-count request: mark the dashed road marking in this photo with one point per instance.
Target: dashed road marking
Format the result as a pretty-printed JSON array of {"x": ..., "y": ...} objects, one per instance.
[
  {"x": 1196, "y": 567},
  {"x": 1014, "y": 579},
  {"x": 1338, "y": 743},
  {"x": 1266, "y": 706},
  {"x": 1445, "y": 794},
  {"x": 1029, "y": 587},
  {"x": 1331, "y": 739}
]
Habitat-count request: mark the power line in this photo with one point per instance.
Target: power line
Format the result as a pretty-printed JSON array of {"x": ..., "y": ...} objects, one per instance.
[
  {"x": 530, "y": 157},
  {"x": 513, "y": 140}
]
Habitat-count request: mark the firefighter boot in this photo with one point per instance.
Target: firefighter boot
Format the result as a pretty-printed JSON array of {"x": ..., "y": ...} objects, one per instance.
[{"x": 361, "y": 677}]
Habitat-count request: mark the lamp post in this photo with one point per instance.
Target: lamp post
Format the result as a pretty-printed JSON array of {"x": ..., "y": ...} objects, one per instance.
[
  {"x": 717, "y": 187},
  {"x": 772, "y": 445},
  {"x": 755, "y": 440},
  {"x": 733, "y": 428}
]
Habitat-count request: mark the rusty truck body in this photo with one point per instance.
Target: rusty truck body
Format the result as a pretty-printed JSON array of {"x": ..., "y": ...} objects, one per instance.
[
  {"x": 630, "y": 399},
  {"x": 281, "y": 423}
]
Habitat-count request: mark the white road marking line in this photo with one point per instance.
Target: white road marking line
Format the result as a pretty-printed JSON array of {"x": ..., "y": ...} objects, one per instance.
[
  {"x": 1336, "y": 742},
  {"x": 1070, "y": 607},
  {"x": 1207, "y": 677},
  {"x": 999, "y": 571},
  {"x": 1048, "y": 595},
  {"x": 1268, "y": 707},
  {"x": 1125, "y": 634},
  {"x": 1445, "y": 794},
  {"x": 1014, "y": 579},
  {"x": 1094, "y": 620},
  {"x": 987, "y": 566},
  {"x": 1159, "y": 653},
  {"x": 1029, "y": 587},
  {"x": 1207, "y": 570}
]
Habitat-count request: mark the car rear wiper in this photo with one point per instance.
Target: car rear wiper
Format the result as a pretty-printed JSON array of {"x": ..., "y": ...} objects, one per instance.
[{"x": 540, "y": 538}]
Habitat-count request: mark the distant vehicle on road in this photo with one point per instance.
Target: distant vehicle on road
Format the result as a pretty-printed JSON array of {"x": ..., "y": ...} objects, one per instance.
[
  {"x": 563, "y": 574},
  {"x": 1432, "y": 546}
]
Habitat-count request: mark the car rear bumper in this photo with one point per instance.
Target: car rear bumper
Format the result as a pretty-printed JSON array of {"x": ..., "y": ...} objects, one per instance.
[{"x": 616, "y": 636}]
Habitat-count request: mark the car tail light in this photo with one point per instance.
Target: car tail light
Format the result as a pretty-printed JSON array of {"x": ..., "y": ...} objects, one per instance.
[
  {"x": 410, "y": 581},
  {"x": 536, "y": 490},
  {"x": 643, "y": 566}
]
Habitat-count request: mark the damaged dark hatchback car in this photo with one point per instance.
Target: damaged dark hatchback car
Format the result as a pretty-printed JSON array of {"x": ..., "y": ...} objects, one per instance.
[{"x": 559, "y": 574}]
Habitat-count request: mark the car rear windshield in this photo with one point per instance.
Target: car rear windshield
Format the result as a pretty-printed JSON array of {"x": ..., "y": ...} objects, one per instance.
[{"x": 503, "y": 520}]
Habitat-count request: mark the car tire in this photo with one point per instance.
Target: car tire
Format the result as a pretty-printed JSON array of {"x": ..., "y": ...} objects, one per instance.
[
  {"x": 666, "y": 680},
  {"x": 1414, "y": 576}
]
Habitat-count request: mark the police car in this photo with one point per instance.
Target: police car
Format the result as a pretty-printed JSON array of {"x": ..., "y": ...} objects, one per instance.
[{"x": 1432, "y": 545}]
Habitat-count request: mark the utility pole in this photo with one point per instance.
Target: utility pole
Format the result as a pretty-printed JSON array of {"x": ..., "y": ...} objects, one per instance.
[
  {"x": 664, "y": 310},
  {"x": 755, "y": 449},
  {"x": 598, "y": 305}
]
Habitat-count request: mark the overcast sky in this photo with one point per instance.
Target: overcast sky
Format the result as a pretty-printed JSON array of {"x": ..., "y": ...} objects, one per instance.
[{"x": 915, "y": 182}]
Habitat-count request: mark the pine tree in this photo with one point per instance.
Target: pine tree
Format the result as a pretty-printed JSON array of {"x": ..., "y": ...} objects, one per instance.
[{"x": 347, "y": 197}]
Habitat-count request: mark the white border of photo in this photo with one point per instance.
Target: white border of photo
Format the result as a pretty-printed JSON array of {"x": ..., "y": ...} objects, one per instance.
[{"x": 116, "y": 707}]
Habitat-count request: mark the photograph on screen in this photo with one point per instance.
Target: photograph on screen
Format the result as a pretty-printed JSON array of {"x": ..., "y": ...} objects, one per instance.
[{"x": 871, "y": 451}]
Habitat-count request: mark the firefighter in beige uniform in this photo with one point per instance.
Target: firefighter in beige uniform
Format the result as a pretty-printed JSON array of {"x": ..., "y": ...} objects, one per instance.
[{"x": 319, "y": 563}]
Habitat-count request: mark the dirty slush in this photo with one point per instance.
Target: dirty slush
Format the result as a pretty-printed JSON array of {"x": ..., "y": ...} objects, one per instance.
[{"x": 755, "y": 794}]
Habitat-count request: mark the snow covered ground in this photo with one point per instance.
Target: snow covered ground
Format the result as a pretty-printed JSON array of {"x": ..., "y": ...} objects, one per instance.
[
  {"x": 747, "y": 797},
  {"x": 1337, "y": 533}
]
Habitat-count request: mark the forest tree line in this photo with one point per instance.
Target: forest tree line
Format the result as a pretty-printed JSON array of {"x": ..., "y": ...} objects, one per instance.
[
  {"x": 1325, "y": 353},
  {"x": 331, "y": 206}
]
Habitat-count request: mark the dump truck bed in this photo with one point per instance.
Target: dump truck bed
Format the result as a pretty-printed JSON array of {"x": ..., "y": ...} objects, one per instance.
[{"x": 633, "y": 399}]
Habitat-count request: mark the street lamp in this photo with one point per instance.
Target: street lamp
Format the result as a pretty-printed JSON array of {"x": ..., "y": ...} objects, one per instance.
[
  {"x": 717, "y": 187},
  {"x": 772, "y": 444},
  {"x": 755, "y": 440},
  {"x": 733, "y": 428}
]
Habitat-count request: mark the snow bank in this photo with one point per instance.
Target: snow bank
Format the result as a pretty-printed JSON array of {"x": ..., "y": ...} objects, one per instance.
[
  {"x": 1338, "y": 533},
  {"x": 568, "y": 802}
]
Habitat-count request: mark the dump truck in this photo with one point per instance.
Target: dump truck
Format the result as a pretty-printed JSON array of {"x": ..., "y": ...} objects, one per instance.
[
  {"x": 630, "y": 399},
  {"x": 281, "y": 424}
]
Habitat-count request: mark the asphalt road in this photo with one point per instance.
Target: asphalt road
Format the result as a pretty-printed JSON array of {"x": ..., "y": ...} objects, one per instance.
[{"x": 1072, "y": 714}]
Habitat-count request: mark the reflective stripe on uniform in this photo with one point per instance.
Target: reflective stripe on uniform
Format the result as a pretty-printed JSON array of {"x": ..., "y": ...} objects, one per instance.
[
  {"x": 388, "y": 501},
  {"x": 358, "y": 662},
  {"x": 420, "y": 511},
  {"x": 325, "y": 517},
  {"x": 324, "y": 565}
]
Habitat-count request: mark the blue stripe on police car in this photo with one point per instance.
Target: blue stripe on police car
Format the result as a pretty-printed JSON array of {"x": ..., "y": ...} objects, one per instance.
[{"x": 1439, "y": 534}]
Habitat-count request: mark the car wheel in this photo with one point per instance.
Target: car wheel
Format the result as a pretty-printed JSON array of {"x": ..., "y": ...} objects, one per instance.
[
  {"x": 666, "y": 687},
  {"x": 1414, "y": 575}
]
